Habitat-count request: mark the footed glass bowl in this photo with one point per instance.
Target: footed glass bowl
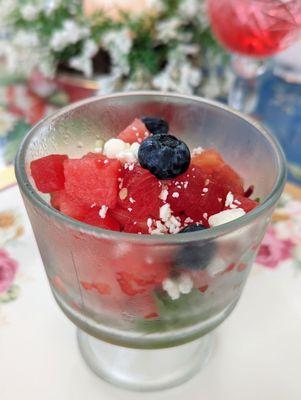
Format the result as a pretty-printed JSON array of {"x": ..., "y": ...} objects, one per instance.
[{"x": 145, "y": 340}]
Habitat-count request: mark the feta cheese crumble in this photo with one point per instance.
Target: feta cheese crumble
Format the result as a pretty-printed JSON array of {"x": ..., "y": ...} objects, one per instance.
[
  {"x": 134, "y": 148},
  {"x": 197, "y": 151},
  {"x": 114, "y": 146},
  {"x": 117, "y": 148},
  {"x": 164, "y": 193},
  {"x": 165, "y": 212},
  {"x": 229, "y": 199},
  {"x": 177, "y": 286},
  {"x": 103, "y": 211},
  {"x": 175, "y": 195},
  {"x": 123, "y": 193},
  {"x": 225, "y": 216}
]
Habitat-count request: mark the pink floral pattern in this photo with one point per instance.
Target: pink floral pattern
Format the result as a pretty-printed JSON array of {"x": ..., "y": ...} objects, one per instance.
[
  {"x": 8, "y": 269},
  {"x": 274, "y": 250}
]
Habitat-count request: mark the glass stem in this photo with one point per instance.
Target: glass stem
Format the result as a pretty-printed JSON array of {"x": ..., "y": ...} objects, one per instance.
[
  {"x": 145, "y": 370},
  {"x": 244, "y": 91}
]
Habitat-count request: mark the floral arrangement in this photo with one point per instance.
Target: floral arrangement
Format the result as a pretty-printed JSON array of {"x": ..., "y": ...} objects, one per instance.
[{"x": 167, "y": 46}]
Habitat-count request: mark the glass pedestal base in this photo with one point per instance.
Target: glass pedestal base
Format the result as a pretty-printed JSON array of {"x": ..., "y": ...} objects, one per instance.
[{"x": 144, "y": 370}]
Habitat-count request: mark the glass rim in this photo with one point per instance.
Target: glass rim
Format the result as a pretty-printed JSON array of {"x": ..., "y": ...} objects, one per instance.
[{"x": 208, "y": 234}]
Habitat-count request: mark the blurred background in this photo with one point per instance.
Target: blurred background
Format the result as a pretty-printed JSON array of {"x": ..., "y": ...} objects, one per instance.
[{"x": 54, "y": 52}]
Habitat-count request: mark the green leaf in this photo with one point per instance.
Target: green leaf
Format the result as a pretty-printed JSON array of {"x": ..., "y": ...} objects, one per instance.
[{"x": 173, "y": 314}]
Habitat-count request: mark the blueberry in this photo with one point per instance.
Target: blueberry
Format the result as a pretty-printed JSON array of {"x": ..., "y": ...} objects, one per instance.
[
  {"x": 156, "y": 125},
  {"x": 192, "y": 228},
  {"x": 164, "y": 156},
  {"x": 194, "y": 256}
]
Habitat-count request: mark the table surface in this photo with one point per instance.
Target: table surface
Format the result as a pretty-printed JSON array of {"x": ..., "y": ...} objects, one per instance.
[
  {"x": 257, "y": 351},
  {"x": 258, "y": 348}
]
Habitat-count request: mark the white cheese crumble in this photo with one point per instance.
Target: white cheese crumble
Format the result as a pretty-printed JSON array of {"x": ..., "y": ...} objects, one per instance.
[
  {"x": 117, "y": 148},
  {"x": 132, "y": 200},
  {"x": 205, "y": 190},
  {"x": 126, "y": 156},
  {"x": 134, "y": 148},
  {"x": 165, "y": 212},
  {"x": 185, "y": 284},
  {"x": 123, "y": 193},
  {"x": 175, "y": 195},
  {"x": 188, "y": 220},
  {"x": 173, "y": 224},
  {"x": 225, "y": 216},
  {"x": 197, "y": 151},
  {"x": 164, "y": 194},
  {"x": 177, "y": 286},
  {"x": 229, "y": 199},
  {"x": 216, "y": 267},
  {"x": 114, "y": 146},
  {"x": 103, "y": 211}
]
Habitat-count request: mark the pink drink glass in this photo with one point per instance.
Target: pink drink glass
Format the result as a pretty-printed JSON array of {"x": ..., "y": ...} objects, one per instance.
[{"x": 253, "y": 30}]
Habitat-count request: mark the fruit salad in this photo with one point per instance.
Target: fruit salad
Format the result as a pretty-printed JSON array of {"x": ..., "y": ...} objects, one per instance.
[{"x": 146, "y": 181}]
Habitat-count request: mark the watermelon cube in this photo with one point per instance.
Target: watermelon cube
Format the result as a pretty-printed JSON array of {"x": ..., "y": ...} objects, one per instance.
[
  {"x": 48, "y": 173},
  {"x": 93, "y": 181},
  {"x": 67, "y": 205},
  {"x": 93, "y": 218},
  {"x": 135, "y": 132},
  {"x": 212, "y": 164},
  {"x": 195, "y": 195},
  {"x": 140, "y": 194}
]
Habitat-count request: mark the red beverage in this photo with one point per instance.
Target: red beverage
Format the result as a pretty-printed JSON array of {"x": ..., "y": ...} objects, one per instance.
[{"x": 256, "y": 28}]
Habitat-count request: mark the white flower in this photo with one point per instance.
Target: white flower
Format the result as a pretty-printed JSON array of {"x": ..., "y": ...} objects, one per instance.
[
  {"x": 26, "y": 39},
  {"x": 70, "y": 33},
  {"x": 51, "y": 6},
  {"x": 7, "y": 121},
  {"x": 179, "y": 74},
  {"x": 118, "y": 43},
  {"x": 190, "y": 8},
  {"x": 83, "y": 62},
  {"x": 30, "y": 12},
  {"x": 108, "y": 83},
  {"x": 168, "y": 29}
]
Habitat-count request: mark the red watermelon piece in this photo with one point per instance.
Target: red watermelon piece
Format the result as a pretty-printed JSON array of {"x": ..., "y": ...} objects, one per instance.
[
  {"x": 195, "y": 195},
  {"x": 67, "y": 205},
  {"x": 139, "y": 271},
  {"x": 48, "y": 173},
  {"x": 125, "y": 219},
  {"x": 213, "y": 165},
  {"x": 135, "y": 132},
  {"x": 142, "y": 194},
  {"x": 93, "y": 180},
  {"x": 93, "y": 218},
  {"x": 243, "y": 202}
]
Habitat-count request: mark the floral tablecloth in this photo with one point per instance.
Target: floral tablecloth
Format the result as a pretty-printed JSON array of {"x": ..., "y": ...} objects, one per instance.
[{"x": 258, "y": 349}]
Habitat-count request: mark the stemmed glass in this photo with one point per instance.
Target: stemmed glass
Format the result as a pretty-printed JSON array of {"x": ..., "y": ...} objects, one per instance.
[
  {"x": 144, "y": 340},
  {"x": 253, "y": 30}
]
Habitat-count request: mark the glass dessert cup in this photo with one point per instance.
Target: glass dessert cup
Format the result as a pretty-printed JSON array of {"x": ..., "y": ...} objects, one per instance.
[{"x": 148, "y": 341}]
